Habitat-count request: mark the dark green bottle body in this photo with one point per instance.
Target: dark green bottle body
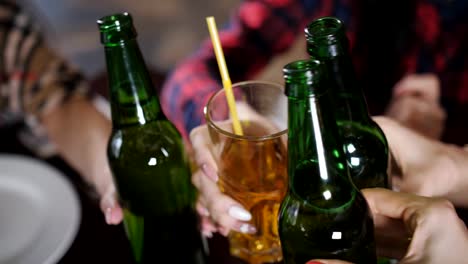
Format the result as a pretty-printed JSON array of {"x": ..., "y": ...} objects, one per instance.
[
  {"x": 323, "y": 214},
  {"x": 367, "y": 154},
  {"x": 153, "y": 181},
  {"x": 364, "y": 142},
  {"x": 147, "y": 158},
  {"x": 310, "y": 232}
]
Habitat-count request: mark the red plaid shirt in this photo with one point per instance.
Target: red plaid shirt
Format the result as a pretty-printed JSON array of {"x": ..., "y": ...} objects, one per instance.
[{"x": 431, "y": 37}]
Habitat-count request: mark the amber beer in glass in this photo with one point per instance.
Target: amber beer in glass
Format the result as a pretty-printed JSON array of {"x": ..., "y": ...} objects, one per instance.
[{"x": 252, "y": 166}]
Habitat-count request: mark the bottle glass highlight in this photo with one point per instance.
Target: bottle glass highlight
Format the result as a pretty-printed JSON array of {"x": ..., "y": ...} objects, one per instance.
[
  {"x": 252, "y": 166},
  {"x": 323, "y": 214},
  {"x": 364, "y": 142},
  {"x": 147, "y": 157}
]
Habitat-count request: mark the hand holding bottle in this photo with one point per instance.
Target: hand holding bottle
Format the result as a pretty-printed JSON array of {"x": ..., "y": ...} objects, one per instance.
[
  {"x": 79, "y": 119},
  {"x": 424, "y": 166},
  {"x": 110, "y": 206},
  {"x": 147, "y": 156},
  {"x": 429, "y": 226}
]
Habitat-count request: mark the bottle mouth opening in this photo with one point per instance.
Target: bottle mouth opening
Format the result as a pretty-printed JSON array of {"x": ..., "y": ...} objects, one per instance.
[
  {"x": 302, "y": 78},
  {"x": 304, "y": 70},
  {"x": 324, "y": 28},
  {"x": 115, "y": 22},
  {"x": 116, "y": 29}
]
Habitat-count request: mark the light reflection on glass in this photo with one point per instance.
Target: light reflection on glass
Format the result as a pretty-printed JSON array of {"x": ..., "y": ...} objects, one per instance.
[
  {"x": 152, "y": 162},
  {"x": 327, "y": 194},
  {"x": 294, "y": 210},
  {"x": 351, "y": 148},
  {"x": 336, "y": 153},
  {"x": 116, "y": 145},
  {"x": 164, "y": 151},
  {"x": 336, "y": 235},
  {"x": 355, "y": 161},
  {"x": 140, "y": 114},
  {"x": 340, "y": 166},
  {"x": 322, "y": 162}
]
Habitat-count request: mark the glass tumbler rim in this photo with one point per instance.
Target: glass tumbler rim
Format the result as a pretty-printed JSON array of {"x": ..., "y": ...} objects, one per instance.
[{"x": 211, "y": 123}]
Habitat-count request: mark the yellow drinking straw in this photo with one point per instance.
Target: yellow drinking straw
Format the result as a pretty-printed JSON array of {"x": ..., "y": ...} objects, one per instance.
[{"x": 224, "y": 74}]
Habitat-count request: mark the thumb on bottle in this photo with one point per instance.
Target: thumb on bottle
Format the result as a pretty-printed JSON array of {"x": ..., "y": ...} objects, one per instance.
[{"x": 112, "y": 211}]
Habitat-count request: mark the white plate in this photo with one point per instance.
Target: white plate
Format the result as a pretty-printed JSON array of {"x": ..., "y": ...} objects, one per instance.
[{"x": 39, "y": 211}]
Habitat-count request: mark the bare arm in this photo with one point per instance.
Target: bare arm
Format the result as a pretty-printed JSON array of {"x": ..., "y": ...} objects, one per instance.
[
  {"x": 428, "y": 167},
  {"x": 80, "y": 134},
  {"x": 39, "y": 85}
]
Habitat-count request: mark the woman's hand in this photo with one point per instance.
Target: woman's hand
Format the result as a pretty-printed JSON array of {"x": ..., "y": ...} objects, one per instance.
[
  {"x": 220, "y": 213},
  {"x": 415, "y": 104},
  {"x": 415, "y": 229},
  {"x": 80, "y": 133},
  {"x": 424, "y": 166},
  {"x": 429, "y": 226},
  {"x": 108, "y": 202}
]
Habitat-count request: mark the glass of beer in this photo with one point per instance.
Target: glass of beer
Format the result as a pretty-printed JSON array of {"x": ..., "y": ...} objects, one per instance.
[{"x": 252, "y": 166}]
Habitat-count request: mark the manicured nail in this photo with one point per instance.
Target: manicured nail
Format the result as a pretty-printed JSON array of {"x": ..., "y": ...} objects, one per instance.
[
  {"x": 210, "y": 172},
  {"x": 207, "y": 234},
  {"x": 239, "y": 213},
  {"x": 247, "y": 229},
  {"x": 108, "y": 215},
  {"x": 113, "y": 215},
  {"x": 204, "y": 211},
  {"x": 314, "y": 262}
]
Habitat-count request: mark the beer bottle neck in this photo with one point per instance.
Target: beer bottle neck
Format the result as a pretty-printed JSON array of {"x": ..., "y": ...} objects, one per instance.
[
  {"x": 133, "y": 99},
  {"x": 317, "y": 166},
  {"x": 327, "y": 42},
  {"x": 351, "y": 104}
]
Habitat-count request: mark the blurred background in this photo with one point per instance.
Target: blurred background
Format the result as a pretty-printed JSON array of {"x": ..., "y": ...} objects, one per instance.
[{"x": 168, "y": 29}]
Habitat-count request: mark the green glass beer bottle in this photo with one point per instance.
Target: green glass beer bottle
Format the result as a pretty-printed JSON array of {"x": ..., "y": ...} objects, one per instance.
[
  {"x": 147, "y": 157},
  {"x": 323, "y": 214},
  {"x": 365, "y": 144}
]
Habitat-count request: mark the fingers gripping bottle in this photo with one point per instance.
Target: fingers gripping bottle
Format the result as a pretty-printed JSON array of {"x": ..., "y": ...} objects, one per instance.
[
  {"x": 147, "y": 157},
  {"x": 323, "y": 214}
]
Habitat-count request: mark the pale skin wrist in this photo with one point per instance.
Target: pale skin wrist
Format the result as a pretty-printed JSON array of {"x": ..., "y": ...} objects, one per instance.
[
  {"x": 459, "y": 159},
  {"x": 425, "y": 166},
  {"x": 80, "y": 133},
  {"x": 100, "y": 177}
]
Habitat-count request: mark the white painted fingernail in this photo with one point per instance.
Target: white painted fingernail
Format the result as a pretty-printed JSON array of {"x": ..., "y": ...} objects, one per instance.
[
  {"x": 207, "y": 234},
  {"x": 247, "y": 229},
  {"x": 205, "y": 211},
  {"x": 239, "y": 213},
  {"x": 210, "y": 172},
  {"x": 108, "y": 215}
]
